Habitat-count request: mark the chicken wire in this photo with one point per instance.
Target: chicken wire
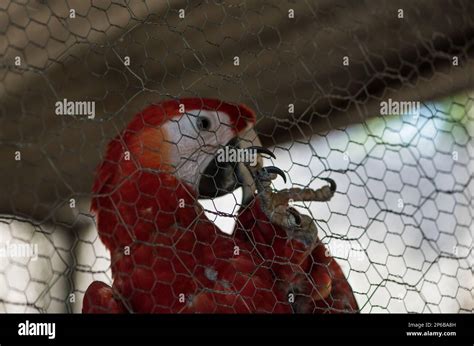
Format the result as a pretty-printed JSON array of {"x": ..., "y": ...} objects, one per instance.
[{"x": 400, "y": 223}]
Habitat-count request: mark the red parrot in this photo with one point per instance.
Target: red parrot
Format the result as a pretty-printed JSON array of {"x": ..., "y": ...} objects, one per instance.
[{"x": 167, "y": 256}]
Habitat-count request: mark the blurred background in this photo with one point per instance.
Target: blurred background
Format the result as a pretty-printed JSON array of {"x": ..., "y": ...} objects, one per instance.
[{"x": 315, "y": 72}]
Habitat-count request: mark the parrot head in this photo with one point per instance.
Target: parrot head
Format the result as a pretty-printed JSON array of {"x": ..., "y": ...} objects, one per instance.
[{"x": 183, "y": 138}]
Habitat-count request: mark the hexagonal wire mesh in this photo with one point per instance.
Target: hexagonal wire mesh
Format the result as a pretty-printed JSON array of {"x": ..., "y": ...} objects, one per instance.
[{"x": 399, "y": 224}]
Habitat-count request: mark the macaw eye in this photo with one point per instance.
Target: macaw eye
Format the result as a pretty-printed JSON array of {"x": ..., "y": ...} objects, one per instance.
[{"x": 203, "y": 123}]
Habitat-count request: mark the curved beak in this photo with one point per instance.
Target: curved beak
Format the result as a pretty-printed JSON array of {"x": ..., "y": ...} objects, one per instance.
[{"x": 223, "y": 177}]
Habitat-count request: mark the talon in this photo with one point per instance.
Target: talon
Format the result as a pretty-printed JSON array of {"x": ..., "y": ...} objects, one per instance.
[
  {"x": 296, "y": 215},
  {"x": 332, "y": 183},
  {"x": 262, "y": 150},
  {"x": 275, "y": 170}
]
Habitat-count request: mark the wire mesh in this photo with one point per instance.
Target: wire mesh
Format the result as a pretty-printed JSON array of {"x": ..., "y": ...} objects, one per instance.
[{"x": 400, "y": 223}]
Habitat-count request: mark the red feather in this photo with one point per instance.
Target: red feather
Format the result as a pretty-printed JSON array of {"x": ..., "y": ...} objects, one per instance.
[
  {"x": 315, "y": 278},
  {"x": 178, "y": 260},
  {"x": 166, "y": 255}
]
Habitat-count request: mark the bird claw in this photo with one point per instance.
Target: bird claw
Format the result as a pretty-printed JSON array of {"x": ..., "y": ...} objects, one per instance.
[
  {"x": 273, "y": 170},
  {"x": 262, "y": 150},
  {"x": 332, "y": 184},
  {"x": 294, "y": 217},
  {"x": 275, "y": 204}
]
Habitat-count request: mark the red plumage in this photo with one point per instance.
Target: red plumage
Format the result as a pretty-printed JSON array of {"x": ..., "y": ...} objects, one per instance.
[
  {"x": 177, "y": 252},
  {"x": 167, "y": 256},
  {"x": 309, "y": 272}
]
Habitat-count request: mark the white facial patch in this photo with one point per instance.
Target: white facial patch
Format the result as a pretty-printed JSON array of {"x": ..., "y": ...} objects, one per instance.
[{"x": 192, "y": 146}]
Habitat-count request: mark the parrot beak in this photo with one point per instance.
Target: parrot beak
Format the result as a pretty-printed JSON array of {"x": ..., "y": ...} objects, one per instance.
[{"x": 221, "y": 178}]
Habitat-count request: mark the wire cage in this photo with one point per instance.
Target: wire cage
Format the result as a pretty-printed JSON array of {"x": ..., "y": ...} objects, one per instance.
[{"x": 377, "y": 96}]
